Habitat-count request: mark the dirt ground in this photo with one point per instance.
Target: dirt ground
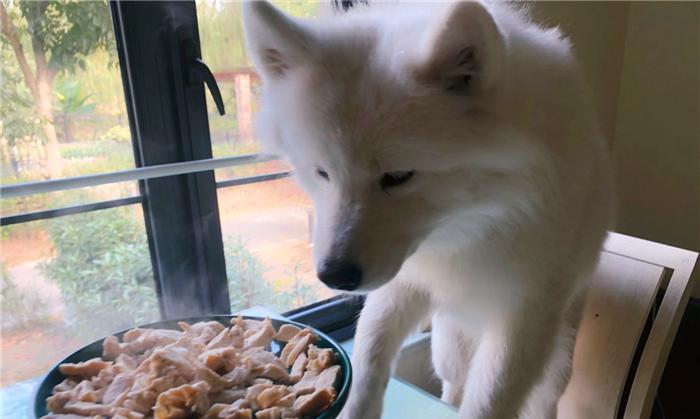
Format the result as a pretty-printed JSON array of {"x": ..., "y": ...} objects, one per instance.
[{"x": 273, "y": 217}]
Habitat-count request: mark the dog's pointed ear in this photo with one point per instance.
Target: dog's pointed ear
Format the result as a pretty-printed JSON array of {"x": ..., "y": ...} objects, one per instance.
[
  {"x": 276, "y": 42},
  {"x": 464, "y": 49}
]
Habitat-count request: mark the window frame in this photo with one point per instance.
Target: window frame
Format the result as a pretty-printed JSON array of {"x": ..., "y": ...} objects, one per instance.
[{"x": 169, "y": 124}]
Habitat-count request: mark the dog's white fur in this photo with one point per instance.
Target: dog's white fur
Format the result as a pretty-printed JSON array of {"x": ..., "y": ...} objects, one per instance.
[{"x": 495, "y": 235}]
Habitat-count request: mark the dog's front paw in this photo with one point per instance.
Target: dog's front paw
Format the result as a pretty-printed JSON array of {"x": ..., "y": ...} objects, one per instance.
[{"x": 361, "y": 412}]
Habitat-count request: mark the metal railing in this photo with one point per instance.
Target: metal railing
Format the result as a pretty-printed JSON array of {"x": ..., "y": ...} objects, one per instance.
[{"x": 139, "y": 173}]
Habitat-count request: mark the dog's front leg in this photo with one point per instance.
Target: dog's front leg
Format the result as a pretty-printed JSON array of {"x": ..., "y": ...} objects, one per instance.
[
  {"x": 389, "y": 315},
  {"x": 509, "y": 360}
]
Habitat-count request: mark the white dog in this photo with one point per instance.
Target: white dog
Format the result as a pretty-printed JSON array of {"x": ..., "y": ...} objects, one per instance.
[{"x": 458, "y": 175}]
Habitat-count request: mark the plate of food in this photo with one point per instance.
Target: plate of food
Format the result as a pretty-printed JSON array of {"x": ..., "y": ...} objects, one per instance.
[{"x": 218, "y": 367}]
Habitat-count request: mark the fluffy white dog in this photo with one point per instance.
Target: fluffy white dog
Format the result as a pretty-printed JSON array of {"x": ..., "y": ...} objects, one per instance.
[{"x": 458, "y": 175}]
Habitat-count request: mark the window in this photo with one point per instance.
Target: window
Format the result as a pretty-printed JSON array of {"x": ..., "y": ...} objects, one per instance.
[{"x": 123, "y": 199}]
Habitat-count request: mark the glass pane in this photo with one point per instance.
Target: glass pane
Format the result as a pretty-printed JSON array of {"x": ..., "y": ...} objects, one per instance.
[
  {"x": 223, "y": 49},
  {"x": 63, "y": 114},
  {"x": 60, "y": 199},
  {"x": 68, "y": 281},
  {"x": 266, "y": 228}
]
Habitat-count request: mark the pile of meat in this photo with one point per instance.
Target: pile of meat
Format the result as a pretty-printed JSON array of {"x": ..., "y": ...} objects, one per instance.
[{"x": 205, "y": 371}]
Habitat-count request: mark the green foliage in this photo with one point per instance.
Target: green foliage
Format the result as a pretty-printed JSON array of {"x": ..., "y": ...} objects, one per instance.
[
  {"x": 300, "y": 293},
  {"x": 247, "y": 286},
  {"x": 19, "y": 310},
  {"x": 68, "y": 30},
  {"x": 72, "y": 97},
  {"x": 20, "y": 123},
  {"x": 103, "y": 269},
  {"x": 117, "y": 133}
]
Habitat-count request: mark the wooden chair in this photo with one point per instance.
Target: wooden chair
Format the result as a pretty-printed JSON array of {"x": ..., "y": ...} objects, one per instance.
[{"x": 631, "y": 278}]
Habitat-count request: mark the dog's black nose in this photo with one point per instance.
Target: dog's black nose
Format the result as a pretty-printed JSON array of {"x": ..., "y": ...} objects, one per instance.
[{"x": 340, "y": 275}]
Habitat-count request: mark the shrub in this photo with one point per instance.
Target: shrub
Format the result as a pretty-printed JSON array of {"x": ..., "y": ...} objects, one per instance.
[
  {"x": 19, "y": 310},
  {"x": 103, "y": 269},
  {"x": 247, "y": 286}
]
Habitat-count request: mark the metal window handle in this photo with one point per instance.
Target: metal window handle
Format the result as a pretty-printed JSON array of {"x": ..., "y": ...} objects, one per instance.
[{"x": 198, "y": 71}]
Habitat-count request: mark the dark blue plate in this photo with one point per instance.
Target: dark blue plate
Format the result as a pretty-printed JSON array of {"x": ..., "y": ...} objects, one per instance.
[{"x": 94, "y": 350}]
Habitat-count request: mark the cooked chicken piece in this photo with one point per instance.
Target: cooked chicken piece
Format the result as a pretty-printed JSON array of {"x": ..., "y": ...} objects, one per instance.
[
  {"x": 56, "y": 402},
  {"x": 307, "y": 384},
  {"x": 229, "y": 396},
  {"x": 141, "y": 342},
  {"x": 276, "y": 373},
  {"x": 253, "y": 392},
  {"x": 221, "y": 360},
  {"x": 298, "y": 368},
  {"x": 271, "y": 396},
  {"x": 296, "y": 346},
  {"x": 197, "y": 328},
  {"x": 315, "y": 403},
  {"x": 312, "y": 381},
  {"x": 133, "y": 334},
  {"x": 260, "y": 357},
  {"x": 214, "y": 410},
  {"x": 103, "y": 378},
  {"x": 125, "y": 362},
  {"x": 123, "y": 413},
  {"x": 276, "y": 412},
  {"x": 86, "y": 409},
  {"x": 240, "y": 376},
  {"x": 261, "y": 381},
  {"x": 182, "y": 402},
  {"x": 262, "y": 337},
  {"x": 111, "y": 348},
  {"x": 82, "y": 392},
  {"x": 232, "y": 413},
  {"x": 215, "y": 381},
  {"x": 117, "y": 390},
  {"x": 69, "y": 416},
  {"x": 65, "y": 385},
  {"x": 86, "y": 392},
  {"x": 85, "y": 369},
  {"x": 206, "y": 336},
  {"x": 227, "y": 338},
  {"x": 164, "y": 360},
  {"x": 320, "y": 359},
  {"x": 327, "y": 378},
  {"x": 287, "y": 401},
  {"x": 247, "y": 324},
  {"x": 286, "y": 332}
]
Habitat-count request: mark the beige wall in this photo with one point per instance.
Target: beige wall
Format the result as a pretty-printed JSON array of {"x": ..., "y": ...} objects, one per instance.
[
  {"x": 642, "y": 62},
  {"x": 657, "y": 149},
  {"x": 597, "y": 30}
]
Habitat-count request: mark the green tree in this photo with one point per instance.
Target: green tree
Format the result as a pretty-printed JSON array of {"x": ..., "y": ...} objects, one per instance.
[
  {"x": 20, "y": 124},
  {"x": 61, "y": 34}
]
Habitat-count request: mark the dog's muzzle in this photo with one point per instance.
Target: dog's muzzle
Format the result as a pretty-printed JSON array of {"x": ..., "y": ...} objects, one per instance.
[{"x": 340, "y": 274}]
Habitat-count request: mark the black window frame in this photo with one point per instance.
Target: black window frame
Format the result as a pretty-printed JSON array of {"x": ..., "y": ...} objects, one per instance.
[
  {"x": 173, "y": 22},
  {"x": 169, "y": 124}
]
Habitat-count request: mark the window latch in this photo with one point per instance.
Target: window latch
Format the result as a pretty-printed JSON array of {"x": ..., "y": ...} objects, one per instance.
[{"x": 198, "y": 72}]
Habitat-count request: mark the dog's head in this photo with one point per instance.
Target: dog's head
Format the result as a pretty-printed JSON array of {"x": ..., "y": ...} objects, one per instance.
[{"x": 381, "y": 119}]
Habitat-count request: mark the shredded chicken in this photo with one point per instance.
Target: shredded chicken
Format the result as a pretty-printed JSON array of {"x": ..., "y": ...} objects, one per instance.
[{"x": 204, "y": 371}]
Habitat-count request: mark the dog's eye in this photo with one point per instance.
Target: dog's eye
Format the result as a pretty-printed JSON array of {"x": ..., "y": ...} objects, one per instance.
[
  {"x": 393, "y": 179},
  {"x": 322, "y": 173}
]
